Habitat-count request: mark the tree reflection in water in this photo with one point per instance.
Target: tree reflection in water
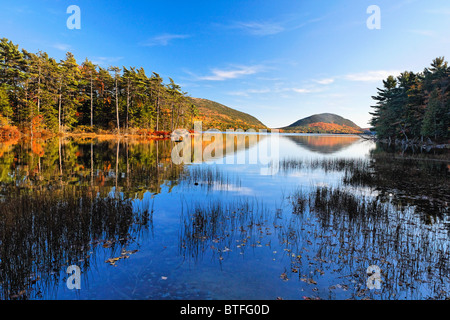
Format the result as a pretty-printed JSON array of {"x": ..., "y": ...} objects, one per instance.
[
  {"x": 42, "y": 233},
  {"x": 63, "y": 201}
]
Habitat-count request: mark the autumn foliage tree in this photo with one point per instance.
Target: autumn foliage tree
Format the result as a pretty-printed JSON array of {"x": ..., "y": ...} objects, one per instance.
[{"x": 67, "y": 96}]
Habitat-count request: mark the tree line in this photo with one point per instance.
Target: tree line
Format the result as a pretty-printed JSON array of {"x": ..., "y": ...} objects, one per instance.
[
  {"x": 39, "y": 93},
  {"x": 414, "y": 106}
]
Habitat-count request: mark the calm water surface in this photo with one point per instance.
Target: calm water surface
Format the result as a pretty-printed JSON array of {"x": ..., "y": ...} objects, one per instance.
[{"x": 287, "y": 225}]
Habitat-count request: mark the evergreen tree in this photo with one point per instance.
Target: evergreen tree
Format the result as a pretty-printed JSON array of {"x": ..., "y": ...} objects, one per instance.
[
  {"x": 70, "y": 95},
  {"x": 12, "y": 74},
  {"x": 89, "y": 75},
  {"x": 5, "y": 106},
  {"x": 38, "y": 91},
  {"x": 414, "y": 106},
  {"x": 116, "y": 72}
]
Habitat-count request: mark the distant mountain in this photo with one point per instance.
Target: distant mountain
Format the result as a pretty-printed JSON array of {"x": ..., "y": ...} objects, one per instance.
[
  {"x": 323, "y": 123},
  {"x": 218, "y": 116}
]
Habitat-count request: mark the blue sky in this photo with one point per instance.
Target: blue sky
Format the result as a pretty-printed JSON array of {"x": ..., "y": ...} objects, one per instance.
[{"x": 277, "y": 60}]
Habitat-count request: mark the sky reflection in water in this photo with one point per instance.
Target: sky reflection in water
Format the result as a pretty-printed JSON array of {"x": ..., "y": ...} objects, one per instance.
[{"x": 225, "y": 231}]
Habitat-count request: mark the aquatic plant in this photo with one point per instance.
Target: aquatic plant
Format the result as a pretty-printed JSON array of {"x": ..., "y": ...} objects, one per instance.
[
  {"x": 220, "y": 224},
  {"x": 41, "y": 232}
]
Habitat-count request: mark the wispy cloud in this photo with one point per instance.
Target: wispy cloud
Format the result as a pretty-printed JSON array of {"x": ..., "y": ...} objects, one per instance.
[
  {"x": 268, "y": 28},
  {"x": 371, "y": 76},
  {"x": 427, "y": 33},
  {"x": 278, "y": 90},
  {"x": 325, "y": 81},
  {"x": 246, "y": 93},
  {"x": 302, "y": 90},
  {"x": 22, "y": 9},
  {"x": 105, "y": 61},
  {"x": 62, "y": 46},
  {"x": 440, "y": 37},
  {"x": 258, "y": 28},
  {"x": 236, "y": 72},
  {"x": 163, "y": 39},
  {"x": 307, "y": 90},
  {"x": 443, "y": 11}
]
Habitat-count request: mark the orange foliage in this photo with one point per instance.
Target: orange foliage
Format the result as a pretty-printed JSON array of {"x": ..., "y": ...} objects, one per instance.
[
  {"x": 37, "y": 149},
  {"x": 9, "y": 133},
  {"x": 37, "y": 123},
  {"x": 333, "y": 127},
  {"x": 6, "y": 145}
]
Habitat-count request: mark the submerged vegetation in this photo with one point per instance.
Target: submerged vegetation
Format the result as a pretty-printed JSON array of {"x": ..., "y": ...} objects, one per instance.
[
  {"x": 348, "y": 232},
  {"x": 41, "y": 235},
  {"x": 82, "y": 201},
  {"x": 327, "y": 238},
  {"x": 209, "y": 177},
  {"x": 221, "y": 226}
]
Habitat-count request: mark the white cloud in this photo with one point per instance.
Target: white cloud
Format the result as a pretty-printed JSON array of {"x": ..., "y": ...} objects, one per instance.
[
  {"x": 267, "y": 28},
  {"x": 246, "y": 93},
  {"x": 258, "y": 28},
  {"x": 258, "y": 90},
  {"x": 443, "y": 11},
  {"x": 280, "y": 91},
  {"x": 427, "y": 33},
  {"x": 302, "y": 90},
  {"x": 372, "y": 76},
  {"x": 163, "y": 39},
  {"x": 325, "y": 81},
  {"x": 238, "y": 93},
  {"x": 62, "y": 46},
  {"x": 105, "y": 61},
  {"x": 237, "y": 72},
  {"x": 307, "y": 90}
]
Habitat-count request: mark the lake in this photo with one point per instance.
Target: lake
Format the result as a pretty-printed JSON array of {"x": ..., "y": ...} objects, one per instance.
[{"x": 236, "y": 216}]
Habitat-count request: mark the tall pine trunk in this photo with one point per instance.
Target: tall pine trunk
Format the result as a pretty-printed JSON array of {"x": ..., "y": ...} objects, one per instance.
[
  {"x": 128, "y": 102},
  {"x": 39, "y": 91},
  {"x": 92, "y": 105},
  {"x": 59, "y": 105},
  {"x": 117, "y": 108},
  {"x": 157, "y": 112}
]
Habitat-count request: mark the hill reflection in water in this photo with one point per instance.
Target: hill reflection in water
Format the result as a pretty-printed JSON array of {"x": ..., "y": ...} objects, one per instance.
[
  {"x": 335, "y": 205},
  {"x": 324, "y": 144}
]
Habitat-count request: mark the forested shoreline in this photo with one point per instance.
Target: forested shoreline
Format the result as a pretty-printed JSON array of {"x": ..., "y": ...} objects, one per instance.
[
  {"x": 414, "y": 108},
  {"x": 39, "y": 95}
]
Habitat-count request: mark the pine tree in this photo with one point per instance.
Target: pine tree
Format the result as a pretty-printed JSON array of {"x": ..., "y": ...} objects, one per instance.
[
  {"x": 157, "y": 85},
  {"x": 105, "y": 88},
  {"x": 116, "y": 72},
  {"x": 384, "y": 115},
  {"x": 35, "y": 90},
  {"x": 70, "y": 95},
  {"x": 415, "y": 105},
  {"x": 5, "y": 106},
  {"x": 89, "y": 75},
  {"x": 12, "y": 73}
]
